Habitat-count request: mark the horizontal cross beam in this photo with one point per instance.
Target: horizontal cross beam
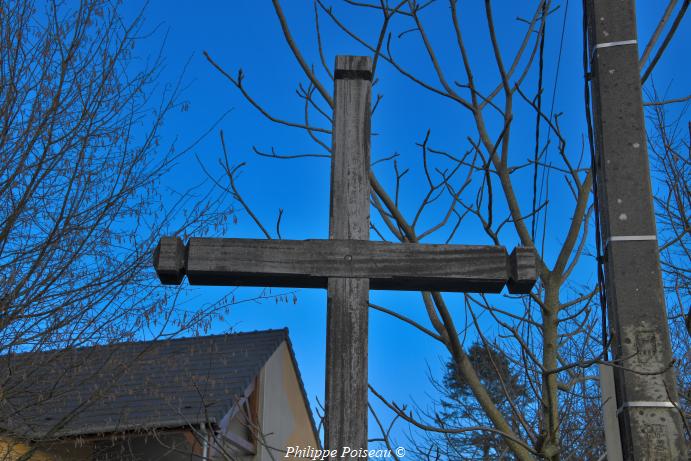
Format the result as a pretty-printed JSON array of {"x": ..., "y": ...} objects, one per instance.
[{"x": 310, "y": 263}]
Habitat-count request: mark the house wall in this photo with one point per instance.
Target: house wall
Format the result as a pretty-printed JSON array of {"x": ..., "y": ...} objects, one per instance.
[
  {"x": 284, "y": 417},
  {"x": 11, "y": 451},
  {"x": 72, "y": 450},
  {"x": 171, "y": 446}
]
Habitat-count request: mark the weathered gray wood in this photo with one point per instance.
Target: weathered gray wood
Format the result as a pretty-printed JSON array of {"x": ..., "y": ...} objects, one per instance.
[
  {"x": 347, "y": 305},
  {"x": 170, "y": 259},
  {"x": 348, "y": 264},
  {"x": 309, "y": 263},
  {"x": 522, "y": 270}
]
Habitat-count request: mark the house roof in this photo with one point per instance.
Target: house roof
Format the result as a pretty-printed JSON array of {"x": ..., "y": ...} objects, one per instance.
[{"x": 131, "y": 386}]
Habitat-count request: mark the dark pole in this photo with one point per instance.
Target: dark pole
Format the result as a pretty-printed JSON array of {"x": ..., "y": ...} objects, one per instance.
[
  {"x": 346, "y": 336},
  {"x": 645, "y": 384}
]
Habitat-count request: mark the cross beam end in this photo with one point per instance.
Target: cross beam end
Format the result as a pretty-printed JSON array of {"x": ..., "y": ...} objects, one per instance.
[
  {"x": 170, "y": 260},
  {"x": 309, "y": 264},
  {"x": 523, "y": 270}
]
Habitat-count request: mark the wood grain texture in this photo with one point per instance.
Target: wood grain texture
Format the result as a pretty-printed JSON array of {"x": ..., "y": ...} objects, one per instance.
[
  {"x": 347, "y": 264},
  {"x": 345, "y": 422},
  {"x": 170, "y": 260},
  {"x": 349, "y": 204},
  {"x": 522, "y": 270},
  {"x": 388, "y": 266}
]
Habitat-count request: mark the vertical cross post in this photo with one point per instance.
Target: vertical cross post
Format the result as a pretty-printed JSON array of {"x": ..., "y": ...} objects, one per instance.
[
  {"x": 347, "y": 264},
  {"x": 347, "y": 307},
  {"x": 651, "y": 426}
]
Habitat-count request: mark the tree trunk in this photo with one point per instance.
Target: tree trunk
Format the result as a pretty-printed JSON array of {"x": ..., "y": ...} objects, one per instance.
[{"x": 550, "y": 399}]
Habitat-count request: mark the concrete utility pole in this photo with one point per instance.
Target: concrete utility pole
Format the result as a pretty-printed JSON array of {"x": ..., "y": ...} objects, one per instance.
[{"x": 645, "y": 385}]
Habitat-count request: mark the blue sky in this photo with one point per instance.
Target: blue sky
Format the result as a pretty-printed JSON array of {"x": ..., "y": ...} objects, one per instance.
[{"x": 247, "y": 35}]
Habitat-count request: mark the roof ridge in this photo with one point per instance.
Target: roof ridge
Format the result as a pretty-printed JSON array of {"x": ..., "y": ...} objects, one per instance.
[
  {"x": 283, "y": 330},
  {"x": 205, "y": 381}
]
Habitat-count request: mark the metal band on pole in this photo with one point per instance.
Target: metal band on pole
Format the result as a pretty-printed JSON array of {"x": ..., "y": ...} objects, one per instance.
[
  {"x": 629, "y": 238},
  {"x": 620, "y": 43},
  {"x": 646, "y": 404},
  {"x": 611, "y": 44}
]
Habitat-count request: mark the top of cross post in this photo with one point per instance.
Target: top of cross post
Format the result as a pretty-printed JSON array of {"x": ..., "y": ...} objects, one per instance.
[{"x": 353, "y": 67}]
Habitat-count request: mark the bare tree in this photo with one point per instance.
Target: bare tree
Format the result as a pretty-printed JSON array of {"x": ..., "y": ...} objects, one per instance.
[
  {"x": 668, "y": 138},
  {"x": 486, "y": 180},
  {"x": 81, "y": 201},
  {"x": 80, "y": 166}
]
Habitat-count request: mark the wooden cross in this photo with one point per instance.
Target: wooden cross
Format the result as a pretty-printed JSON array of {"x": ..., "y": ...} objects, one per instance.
[{"x": 348, "y": 265}]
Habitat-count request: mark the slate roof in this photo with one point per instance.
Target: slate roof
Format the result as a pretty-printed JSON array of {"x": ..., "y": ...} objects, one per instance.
[{"x": 130, "y": 386}]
